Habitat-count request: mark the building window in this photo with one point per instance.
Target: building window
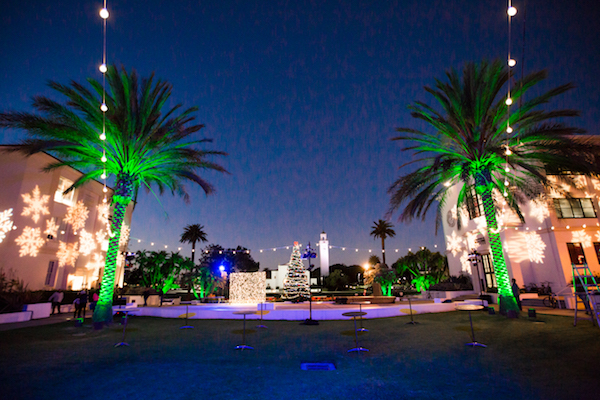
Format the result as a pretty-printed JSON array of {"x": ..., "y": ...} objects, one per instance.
[
  {"x": 576, "y": 253},
  {"x": 574, "y": 208},
  {"x": 490, "y": 276},
  {"x": 51, "y": 274},
  {"x": 474, "y": 203},
  {"x": 59, "y": 197}
]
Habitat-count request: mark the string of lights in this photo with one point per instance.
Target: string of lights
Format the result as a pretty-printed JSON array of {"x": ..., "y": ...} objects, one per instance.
[{"x": 104, "y": 14}]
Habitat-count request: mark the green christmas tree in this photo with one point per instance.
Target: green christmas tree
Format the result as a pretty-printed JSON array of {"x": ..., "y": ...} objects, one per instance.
[{"x": 296, "y": 283}]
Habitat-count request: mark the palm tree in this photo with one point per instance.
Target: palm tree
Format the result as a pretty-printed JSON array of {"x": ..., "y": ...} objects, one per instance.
[
  {"x": 474, "y": 140},
  {"x": 192, "y": 234},
  {"x": 145, "y": 146},
  {"x": 382, "y": 229}
]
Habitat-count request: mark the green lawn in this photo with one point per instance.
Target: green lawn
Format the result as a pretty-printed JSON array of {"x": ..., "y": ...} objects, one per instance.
[{"x": 524, "y": 360}]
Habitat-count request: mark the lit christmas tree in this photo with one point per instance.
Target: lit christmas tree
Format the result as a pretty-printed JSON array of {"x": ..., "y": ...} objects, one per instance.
[{"x": 296, "y": 283}]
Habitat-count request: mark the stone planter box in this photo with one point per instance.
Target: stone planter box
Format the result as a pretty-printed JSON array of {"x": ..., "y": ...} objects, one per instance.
[
  {"x": 40, "y": 310},
  {"x": 21, "y": 316}
]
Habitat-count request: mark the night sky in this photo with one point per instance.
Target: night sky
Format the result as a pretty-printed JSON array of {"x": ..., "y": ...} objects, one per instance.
[{"x": 303, "y": 95}]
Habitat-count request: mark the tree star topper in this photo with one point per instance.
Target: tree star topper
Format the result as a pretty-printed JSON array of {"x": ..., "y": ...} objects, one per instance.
[{"x": 36, "y": 204}]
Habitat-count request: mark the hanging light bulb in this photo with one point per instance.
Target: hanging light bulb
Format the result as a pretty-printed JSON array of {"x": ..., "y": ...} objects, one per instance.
[
  {"x": 508, "y": 152},
  {"x": 506, "y": 169},
  {"x": 506, "y": 183},
  {"x": 103, "y": 136},
  {"x": 104, "y": 107},
  {"x": 103, "y": 159},
  {"x": 103, "y": 68},
  {"x": 104, "y": 189},
  {"x": 103, "y": 176},
  {"x": 512, "y": 62},
  {"x": 512, "y": 11},
  {"x": 505, "y": 193},
  {"x": 508, "y": 101},
  {"x": 509, "y": 129},
  {"x": 104, "y": 13},
  {"x": 104, "y": 200}
]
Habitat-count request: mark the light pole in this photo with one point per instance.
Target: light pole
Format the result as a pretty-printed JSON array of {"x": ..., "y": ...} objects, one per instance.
[{"x": 309, "y": 254}]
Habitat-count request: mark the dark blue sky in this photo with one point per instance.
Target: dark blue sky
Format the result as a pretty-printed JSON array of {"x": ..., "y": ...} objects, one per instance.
[{"x": 303, "y": 95}]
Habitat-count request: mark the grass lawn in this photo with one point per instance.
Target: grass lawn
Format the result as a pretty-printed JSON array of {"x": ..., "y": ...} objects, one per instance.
[{"x": 547, "y": 359}]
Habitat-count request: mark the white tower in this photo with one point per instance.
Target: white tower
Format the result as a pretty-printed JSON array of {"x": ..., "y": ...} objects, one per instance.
[{"x": 324, "y": 254}]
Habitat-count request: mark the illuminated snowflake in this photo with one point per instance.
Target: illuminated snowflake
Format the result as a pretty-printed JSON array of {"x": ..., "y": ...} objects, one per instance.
[
  {"x": 67, "y": 254},
  {"x": 51, "y": 227},
  {"x": 579, "y": 181},
  {"x": 455, "y": 243},
  {"x": 124, "y": 235},
  {"x": 6, "y": 223},
  {"x": 30, "y": 241},
  {"x": 582, "y": 237},
  {"x": 481, "y": 223},
  {"x": 596, "y": 184},
  {"x": 588, "y": 195},
  {"x": 527, "y": 246},
  {"x": 466, "y": 263},
  {"x": 464, "y": 215},
  {"x": 87, "y": 244},
  {"x": 77, "y": 215},
  {"x": 538, "y": 209},
  {"x": 103, "y": 212},
  {"x": 36, "y": 205},
  {"x": 470, "y": 238},
  {"x": 507, "y": 216}
]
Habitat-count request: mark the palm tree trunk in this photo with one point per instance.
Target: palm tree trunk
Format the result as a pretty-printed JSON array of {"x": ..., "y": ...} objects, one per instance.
[
  {"x": 484, "y": 188},
  {"x": 383, "y": 250},
  {"x": 121, "y": 198}
]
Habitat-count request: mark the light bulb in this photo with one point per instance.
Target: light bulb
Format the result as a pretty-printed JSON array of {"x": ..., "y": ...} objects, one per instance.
[
  {"x": 512, "y": 11},
  {"x": 102, "y": 136},
  {"x": 508, "y": 101},
  {"x": 505, "y": 183},
  {"x": 103, "y": 68},
  {"x": 509, "y": 129},
  {"x": 105, "y": 190},
  {"x": 103, "y": 159},
  {"x": 103, "y": 176},
  {"x": 104, "y": 200},
  {"x": 512, "y": 62},
  {"x": 104, "y": 13},
  {"x": 508, "y": 152},
  {"x": 104, "y": 107},
  {"x": 506, "y": 169},
  {"x": 505, "y": 194}
]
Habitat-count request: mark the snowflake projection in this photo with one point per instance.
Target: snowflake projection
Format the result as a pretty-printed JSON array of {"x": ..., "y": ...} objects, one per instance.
[
  {"x": 579, "y": 181},
  {"x": 454, "y": 243},
  {"x": 598, "y": 236},
  {"x": 100, "y": 236},
  {"x": 103, "y": 212},
  {"x": 507, "y": 216},
  {"x": 124, "y": 235},
  {"x": 526, "y": 246},
  {"x": 67, "y": 254},
  {"x": 51, "y": 227},
  {"x": 596, "y": 184},
  {"x": 464, "y": 215},
  {"x": 77, "y": 215},
  {"x": 538, "y": 209},
  {"x": 588, "y": 195},
  {"x": 87, "y": 244},
  {"x": 582, "y": 237},
  {"x": 466, "y": 263},
  {"x": 6, "y": 223},
  {"x": 30, "y": 241},
  {"x": 36, "y": 205},
  {"x": 481, "y": 223},
  {"x": 470, "y": 237}
]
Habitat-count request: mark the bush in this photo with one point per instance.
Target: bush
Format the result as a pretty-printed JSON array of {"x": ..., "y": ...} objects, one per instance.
[{"x": 461, "y": 282}]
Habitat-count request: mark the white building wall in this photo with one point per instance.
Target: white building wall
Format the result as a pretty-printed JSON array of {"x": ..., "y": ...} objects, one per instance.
[{"x": 324, "y": 255}]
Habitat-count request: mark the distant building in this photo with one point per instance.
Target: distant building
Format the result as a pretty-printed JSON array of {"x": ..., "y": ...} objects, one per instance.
[
  {"x": 557, "y": 233},
  {"x": 276, "y": 279},
  {"x": 48, "y": 239}
]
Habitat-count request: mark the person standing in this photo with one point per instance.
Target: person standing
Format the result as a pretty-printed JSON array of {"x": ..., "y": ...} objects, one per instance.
[
  {"x": 517, "y": 293},
  {"x": 146, "y": 296},
  {"x": 56, "y": 299},
  {"x": 83, "y": 299}
]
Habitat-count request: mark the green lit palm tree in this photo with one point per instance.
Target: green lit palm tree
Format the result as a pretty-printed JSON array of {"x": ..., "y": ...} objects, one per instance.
[
  {"x": 474, "y": 140},
  {"x": 382, "y": 229},
  {"x": 147, "y": 144},
  {"x": 192, "y": 234}
]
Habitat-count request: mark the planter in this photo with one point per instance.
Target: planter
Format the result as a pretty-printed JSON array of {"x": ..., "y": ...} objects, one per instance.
[
  {"x": 21, "y": 316},
  {"x": 40, "y": 310}
]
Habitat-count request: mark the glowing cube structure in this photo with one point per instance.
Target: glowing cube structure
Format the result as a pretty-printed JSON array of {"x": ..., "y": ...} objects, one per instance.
[{"x": 247, "y": 287}]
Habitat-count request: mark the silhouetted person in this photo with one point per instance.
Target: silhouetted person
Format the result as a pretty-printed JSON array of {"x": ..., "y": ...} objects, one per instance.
[
  {"x": 517, "y": 293},
  {"x": 56, "y": 299},
  {"x": 83, "y": 299}
]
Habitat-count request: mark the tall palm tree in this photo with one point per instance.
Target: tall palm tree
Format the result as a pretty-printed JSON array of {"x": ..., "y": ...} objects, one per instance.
[
  {"x": 382, "y": 229},
  {"x": 146, "y": 145},
  {"x": 192, "y": 234},
  {"x": 474, "y": 140}
]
